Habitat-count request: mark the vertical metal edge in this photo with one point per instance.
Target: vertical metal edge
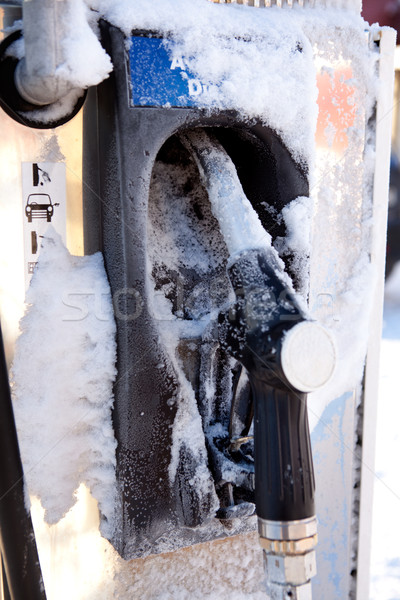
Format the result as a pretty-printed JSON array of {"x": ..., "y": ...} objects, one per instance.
[{"x": 387, "y": 43}]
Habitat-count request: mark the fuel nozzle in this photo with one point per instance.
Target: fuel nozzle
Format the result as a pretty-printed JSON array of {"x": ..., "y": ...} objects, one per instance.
[{"x": 286, "y": 355}]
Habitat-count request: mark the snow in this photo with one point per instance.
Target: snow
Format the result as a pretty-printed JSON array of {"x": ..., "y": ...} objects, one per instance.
[
  {"x": 79, "y": 58},
  {"x": 287, "y": 49},
  {"x": 78, "y": 39},
  {"x": 63, "y": 373},
  {"x": 239, "y": 75},
  {"x": 85, "y": 61},
  {"x": 174, "y": 251},
  {"x": 297, "y": 242},
  {"x": 239, "y": 223},
  {"x": 235, "y": 564},
  {"x": 230, "y": 568}
]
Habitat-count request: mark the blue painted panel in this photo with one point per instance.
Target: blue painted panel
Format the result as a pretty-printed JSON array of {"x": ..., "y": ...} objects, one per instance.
[{"x": 158, "y": 79}]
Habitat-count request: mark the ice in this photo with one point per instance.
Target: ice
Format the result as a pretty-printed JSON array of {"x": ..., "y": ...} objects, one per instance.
[{"x": 63, "y": 373}]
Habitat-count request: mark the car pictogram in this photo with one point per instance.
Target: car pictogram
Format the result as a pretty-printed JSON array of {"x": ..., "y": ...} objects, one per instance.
[{"x": 39, "y": 206}]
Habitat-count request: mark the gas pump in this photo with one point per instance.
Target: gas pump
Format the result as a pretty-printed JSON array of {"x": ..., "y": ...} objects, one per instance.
[
  {"x": 177, "y": 511},
  {"x": 261, "y": 158},
  {"x": 217, "y": 346}
]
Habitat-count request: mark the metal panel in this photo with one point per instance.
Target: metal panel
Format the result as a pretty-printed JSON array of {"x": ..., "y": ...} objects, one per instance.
[{"x": 384, "y": 111}]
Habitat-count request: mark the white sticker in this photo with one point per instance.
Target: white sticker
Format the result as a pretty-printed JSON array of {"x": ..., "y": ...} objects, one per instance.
[{"x": 43, "y": 203}]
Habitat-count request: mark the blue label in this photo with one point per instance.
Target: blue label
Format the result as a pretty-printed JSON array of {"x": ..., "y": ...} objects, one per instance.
[{"x": 158, "y": 79}]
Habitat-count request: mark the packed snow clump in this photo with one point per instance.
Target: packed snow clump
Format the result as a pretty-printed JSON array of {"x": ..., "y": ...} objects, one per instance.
[
  {"x": 85, "y": 61},
  {"x": 296, "y": 245},
  {"x": 239, "y": 223},
  {"x": 63, "y": 374}
]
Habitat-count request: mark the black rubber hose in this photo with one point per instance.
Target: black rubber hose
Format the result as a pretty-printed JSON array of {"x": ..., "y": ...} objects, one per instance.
[{"x": 17, "y": 538}]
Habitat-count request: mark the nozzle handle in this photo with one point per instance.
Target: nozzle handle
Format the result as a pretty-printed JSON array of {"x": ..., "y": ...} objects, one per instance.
[
  {"x": 286, "y": 355},
  {"x": 284, "y": 473}
]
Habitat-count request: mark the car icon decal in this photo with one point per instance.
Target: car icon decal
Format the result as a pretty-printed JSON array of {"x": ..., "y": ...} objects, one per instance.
[{"x": 39, "y": 206}]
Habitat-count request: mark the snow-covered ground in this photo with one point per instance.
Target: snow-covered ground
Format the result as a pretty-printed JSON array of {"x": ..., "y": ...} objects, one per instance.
[{"x": 385, "y": 559}]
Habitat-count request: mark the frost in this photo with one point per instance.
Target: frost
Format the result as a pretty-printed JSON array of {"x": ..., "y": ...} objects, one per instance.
[
  {"x": 179, "y": 259},
  {"x": 296, "y": 245}
]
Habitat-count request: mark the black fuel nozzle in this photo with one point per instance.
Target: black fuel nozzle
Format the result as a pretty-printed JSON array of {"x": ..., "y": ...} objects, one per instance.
[{"x": 286, "y": 355}]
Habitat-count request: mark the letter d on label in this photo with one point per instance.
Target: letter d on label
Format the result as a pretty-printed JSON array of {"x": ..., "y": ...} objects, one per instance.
[{"x": 195, "y": 87}]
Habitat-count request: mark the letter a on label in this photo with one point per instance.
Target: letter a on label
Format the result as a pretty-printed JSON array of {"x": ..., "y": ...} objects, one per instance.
[{"x": 177, "y": 63}]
